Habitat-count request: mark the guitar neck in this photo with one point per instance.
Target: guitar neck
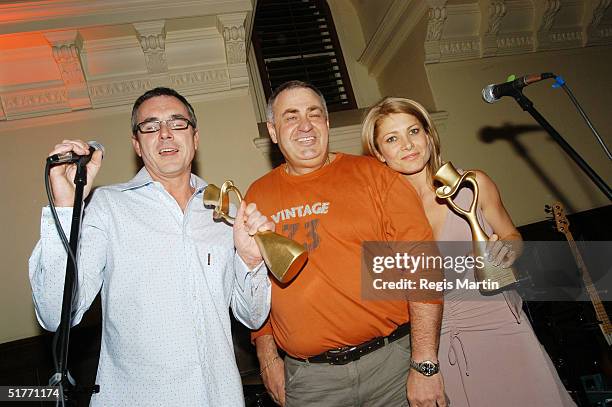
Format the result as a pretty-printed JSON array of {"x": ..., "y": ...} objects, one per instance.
[{"x": 600, "y": 311}]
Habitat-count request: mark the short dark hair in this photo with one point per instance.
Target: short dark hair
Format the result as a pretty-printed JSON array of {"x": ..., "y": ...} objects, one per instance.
[
  {"x": 292, "y": 85},
  {"x": 161, "y": 91}
]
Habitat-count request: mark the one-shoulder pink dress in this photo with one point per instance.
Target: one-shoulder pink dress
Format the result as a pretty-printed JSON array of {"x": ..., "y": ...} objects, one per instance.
[{"x": 489, "y": 354}]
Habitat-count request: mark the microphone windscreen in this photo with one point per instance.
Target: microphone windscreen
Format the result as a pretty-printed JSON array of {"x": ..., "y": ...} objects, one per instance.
[
  {"x": 487, "y": 94},
  {"x": 96, "y": 146}
]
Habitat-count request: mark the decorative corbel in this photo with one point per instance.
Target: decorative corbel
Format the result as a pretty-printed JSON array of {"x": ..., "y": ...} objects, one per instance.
[
  {"x": 594, "y": 32},
  {"x": 549, "y": 10},
  {"x": 65, "y": 46},
  {"x": 231, "y": 27},
  {"x": 152, "y": 38},
  {"x": 435, "y": 24},
  {"x": 496, "y": 12}
]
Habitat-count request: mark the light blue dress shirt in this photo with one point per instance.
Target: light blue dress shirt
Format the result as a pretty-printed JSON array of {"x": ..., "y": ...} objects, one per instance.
[{"x": 168, "y": 279}]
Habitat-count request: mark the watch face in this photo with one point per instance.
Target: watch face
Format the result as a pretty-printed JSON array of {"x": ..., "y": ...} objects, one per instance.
[{"x": 429, "y": 368}]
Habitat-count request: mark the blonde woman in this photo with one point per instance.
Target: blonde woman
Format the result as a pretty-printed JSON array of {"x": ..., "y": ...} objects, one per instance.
[{"x": 489, "y": 354}]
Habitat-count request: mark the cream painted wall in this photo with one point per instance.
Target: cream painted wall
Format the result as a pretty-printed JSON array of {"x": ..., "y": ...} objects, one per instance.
[
  {"x": 227, "y": 127},
  {"x": 405, "y": 74},
  {"x": 371, "y": 13},
  {"x": 22, "y": 183},
  {"x": 526, "y": 188}
]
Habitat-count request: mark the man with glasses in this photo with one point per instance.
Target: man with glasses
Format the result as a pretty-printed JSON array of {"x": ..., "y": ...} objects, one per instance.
[{"x": 167, "y": 272}]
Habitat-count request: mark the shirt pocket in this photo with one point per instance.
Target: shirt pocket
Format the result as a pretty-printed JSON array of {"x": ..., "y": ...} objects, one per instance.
[{"x": 217, "y": 265}]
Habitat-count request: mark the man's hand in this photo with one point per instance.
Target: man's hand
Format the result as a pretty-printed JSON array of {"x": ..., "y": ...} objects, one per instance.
[
  {"x": 248, "y": 222},
  {"x": 423, "y": 391},
  {"x": 425, "y": 319},
  {"x": 273, "y": 377},
  {"x": 272, "y": 368},
  {"x": 62, "y": 175}
]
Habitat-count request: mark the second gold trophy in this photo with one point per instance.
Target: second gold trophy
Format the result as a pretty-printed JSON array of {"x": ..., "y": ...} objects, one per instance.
[{"x": 283, "y": 256}]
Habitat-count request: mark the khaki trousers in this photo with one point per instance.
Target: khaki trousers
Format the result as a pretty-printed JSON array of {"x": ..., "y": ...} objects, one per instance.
[{"x": 376, "y": 380}]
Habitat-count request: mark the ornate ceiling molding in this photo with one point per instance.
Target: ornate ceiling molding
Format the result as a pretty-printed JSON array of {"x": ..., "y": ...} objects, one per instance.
[
  {"x": 232, "y": 27},
  {"x": 50, "y": 99},
  {"x": 469, "y": 29},
  {"x": 152, "y": 39},
  {"x": 81, "y": 62},
  {"x": 84, "y": 115},
  {"x": 596, "y": 30},
  {"x": 557, "y": 30},
  {"x": 452, "y": 33},
  {"x": 44, "y": 15},
  {"x": 66, "y": 54}
]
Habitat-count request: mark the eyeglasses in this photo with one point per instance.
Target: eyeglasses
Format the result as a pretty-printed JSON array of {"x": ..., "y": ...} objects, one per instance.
[{"x": 154, "y": 126}]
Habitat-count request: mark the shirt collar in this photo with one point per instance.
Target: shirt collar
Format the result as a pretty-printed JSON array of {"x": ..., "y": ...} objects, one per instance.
[{"x": 144, "y": 178}]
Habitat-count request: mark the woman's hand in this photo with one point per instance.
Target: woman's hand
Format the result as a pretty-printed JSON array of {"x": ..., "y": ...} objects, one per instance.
[{"x": 503, "y": 252}]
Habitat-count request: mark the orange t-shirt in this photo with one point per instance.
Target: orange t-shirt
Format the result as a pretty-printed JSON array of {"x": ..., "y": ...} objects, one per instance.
[{"x": 332, "y": 211}]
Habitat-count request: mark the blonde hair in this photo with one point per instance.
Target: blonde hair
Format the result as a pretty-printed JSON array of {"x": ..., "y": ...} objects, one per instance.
[{"x": 391, "y": 105}]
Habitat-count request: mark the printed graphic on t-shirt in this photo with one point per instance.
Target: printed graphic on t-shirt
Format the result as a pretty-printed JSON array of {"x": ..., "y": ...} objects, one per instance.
[
  {"x": 317, "y": 208},
  {"x": 302, "y": 228},
  {"x": 312, "y": 242}
]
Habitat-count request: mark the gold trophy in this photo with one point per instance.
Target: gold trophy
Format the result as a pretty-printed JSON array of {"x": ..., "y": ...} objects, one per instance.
[
  {"x": 283, "y": 256},
  {"x": 451, "y": 183}
]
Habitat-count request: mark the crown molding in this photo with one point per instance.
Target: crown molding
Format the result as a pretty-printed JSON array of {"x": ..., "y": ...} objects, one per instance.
[
  {"x": 66, "y": 117},
  {"x": 202, "y": 80},
  {"x": 45, "y": 15},
  {"x": 557, "y": 29},
  {"x": 595, "y": 32},
  {"x": 193, "y": 35},
  {"x": 473, "y": 29},
  {"x": 35, "y": 102},
  {"x": 399, "y": 22},
  {"x": 68, "y": 67}
]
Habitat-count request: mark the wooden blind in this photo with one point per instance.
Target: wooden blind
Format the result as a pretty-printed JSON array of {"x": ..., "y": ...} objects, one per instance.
[{"x": 296, "y": 40}]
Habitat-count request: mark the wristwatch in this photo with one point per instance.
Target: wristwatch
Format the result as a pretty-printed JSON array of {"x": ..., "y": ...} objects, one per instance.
[{"x": 427, "y": 367}]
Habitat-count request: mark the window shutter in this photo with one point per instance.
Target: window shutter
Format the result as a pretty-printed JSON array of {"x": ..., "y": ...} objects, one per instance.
[{"x": 296, "y": 40}]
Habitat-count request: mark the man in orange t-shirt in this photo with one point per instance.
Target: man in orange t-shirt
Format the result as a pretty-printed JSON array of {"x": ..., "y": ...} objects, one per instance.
[{"x": 341, "y": 349}]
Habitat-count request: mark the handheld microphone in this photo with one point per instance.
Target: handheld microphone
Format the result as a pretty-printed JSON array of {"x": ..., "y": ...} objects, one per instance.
[
  {"x": 71, "y": 156},
  {"x": 492, "y": 93}
]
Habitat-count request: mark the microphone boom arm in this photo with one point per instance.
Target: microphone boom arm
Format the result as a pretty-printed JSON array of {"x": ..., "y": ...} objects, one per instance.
[{"x": 527, "y": 105}]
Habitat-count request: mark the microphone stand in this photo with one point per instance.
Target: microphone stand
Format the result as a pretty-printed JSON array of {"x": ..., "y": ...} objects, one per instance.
[
  {"x": 527, "y": 105},
  {"x": 62, "y": 377}
]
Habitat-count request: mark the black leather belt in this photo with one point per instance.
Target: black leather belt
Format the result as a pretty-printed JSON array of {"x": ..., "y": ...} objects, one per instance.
[{"x": 347, "y": 354}]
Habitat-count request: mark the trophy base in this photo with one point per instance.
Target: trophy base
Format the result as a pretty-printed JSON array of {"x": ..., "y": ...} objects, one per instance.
[
  {"x": 284, "y": 257},
  {"x": 293, "y": 270},
  {"x": 493, "y": 280}
]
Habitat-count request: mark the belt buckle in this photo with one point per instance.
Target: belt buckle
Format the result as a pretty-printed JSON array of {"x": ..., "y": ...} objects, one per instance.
[{"x": 340, "y": 356}]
